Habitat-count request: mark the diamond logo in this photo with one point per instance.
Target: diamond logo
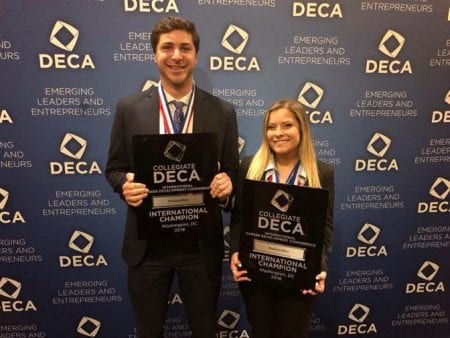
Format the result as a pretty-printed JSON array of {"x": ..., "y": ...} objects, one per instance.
[
  {"x": 447, "y": 97},
  {"x": 10, "y": 288},
  {"x": 379, "y": 144},
  {"x": 233, "y": 32},
  {"x": 440, "y": 188},
  {"x": 391, "y": 43},
  {"x": 241, "y": 144},
  {"x": 4, "y": 195},
  {"x": 81, "y": 241},
  {"x": 63, "y": 28},
  {"x": 226, "y": 236},
  {"x": 428, "y": 270},
  {"x": 368, "y": 233},
  {"x": 149, "y": 84},
  {"x": 310, "y": 95},
  {"x": 282, "y": 200},
  {"x": 359, "y": 313},
  {"x": 175, "y": 151},
  {"x": 73, "y": 141},
  {"x": 229, "y": 319},
  {"x": 89, "y": 327}
]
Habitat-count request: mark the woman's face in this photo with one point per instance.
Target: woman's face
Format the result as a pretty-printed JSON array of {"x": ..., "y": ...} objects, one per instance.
[{"x": 283, "y": 133}]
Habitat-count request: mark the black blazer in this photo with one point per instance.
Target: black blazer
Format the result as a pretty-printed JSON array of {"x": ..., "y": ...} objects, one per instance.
[
  {"x": 139, "y": 114},
  {"x": 326, "y": 176}
]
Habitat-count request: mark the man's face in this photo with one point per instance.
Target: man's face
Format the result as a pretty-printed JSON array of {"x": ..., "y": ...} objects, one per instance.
[{"x": 176, "y": 58}]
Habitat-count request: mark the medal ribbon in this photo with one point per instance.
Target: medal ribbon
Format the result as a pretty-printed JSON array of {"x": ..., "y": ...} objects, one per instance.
[
  {"x": 167, "y": 127},
  {"x": 293, "y": 176}
]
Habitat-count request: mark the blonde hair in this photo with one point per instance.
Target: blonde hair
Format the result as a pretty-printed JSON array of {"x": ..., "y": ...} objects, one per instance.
[{"x": 306, "y": 152}]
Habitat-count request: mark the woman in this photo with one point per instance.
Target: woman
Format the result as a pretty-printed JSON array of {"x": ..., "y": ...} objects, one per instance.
[{"x": 286, "y": 155}]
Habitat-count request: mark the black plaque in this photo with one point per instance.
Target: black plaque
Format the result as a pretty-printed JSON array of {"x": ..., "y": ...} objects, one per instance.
[
  {"x": 177, "y": 170},
  {"x": 282, "y": 238}
]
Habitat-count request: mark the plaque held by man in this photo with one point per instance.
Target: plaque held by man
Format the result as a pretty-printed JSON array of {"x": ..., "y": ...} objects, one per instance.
[
  {"x": 282, "y": 238},
  {"x": 177, "y": 169}
]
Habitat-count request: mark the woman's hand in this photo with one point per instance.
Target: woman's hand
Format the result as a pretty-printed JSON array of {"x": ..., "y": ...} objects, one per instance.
[
  {"x": 235, "y": 265},
  {"x": 319, "y": 286}
]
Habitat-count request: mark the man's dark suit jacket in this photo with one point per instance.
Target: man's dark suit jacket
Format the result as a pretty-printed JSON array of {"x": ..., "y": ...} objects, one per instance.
[
  {"x": 139, "y": 114},
  {"x": 326, "y": 176}
]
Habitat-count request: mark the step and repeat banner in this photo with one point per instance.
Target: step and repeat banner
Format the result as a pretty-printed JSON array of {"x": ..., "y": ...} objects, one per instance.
[{"x": 374, "y": 78}]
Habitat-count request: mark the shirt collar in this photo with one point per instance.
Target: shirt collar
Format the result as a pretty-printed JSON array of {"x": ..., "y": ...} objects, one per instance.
[
  {"x": 271, "y": 164},
  {"x": 184, "y": 99},
  {"x": 271, "y": 169}
]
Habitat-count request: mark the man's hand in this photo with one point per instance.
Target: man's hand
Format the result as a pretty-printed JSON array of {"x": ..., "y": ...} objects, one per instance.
[
  {"x": 133, "y": 192},
  {"x": 221, "y": 187},
  {"x": 235, "y": 265}
]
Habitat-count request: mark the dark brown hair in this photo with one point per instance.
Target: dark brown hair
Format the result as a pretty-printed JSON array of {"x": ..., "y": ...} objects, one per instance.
[{"x": 171, "y": 23}]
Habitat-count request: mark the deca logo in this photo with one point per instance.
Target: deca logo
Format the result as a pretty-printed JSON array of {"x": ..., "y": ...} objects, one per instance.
[
  {"x": 174, "y": 151},
  {"x": 390, "y": 45},
  {"x": 5, "y": 117},
  {"x": 378, "y": 146},
  {"x": 314, "y": 10},
  {"x": 282, "y": 201},
  {"x": 148, "y": 85},
  {"x": 65, "y": 37},
  {"x": 4, "y": 195},
  {"x": 10, "y": 289},
  {"x": 226, "y": 240},
  {"x": 175, "y": 299},
  {"x": 241, "y": 144},
  {"x": 7, "y": 217},
  {"x": 439, "y": 116},
  {"x": 89, "y": 327},
  {"x": 310, "y": 96},
  {"x": 149, "y": 6},
  {"x": 81, "y": 242},
  {"x": 439, "y": 190},
  {"x": 357, "y": 314},
  {"x": 74, "y": 147},
  {"x": 368, "y": 234},
  {"x": 234, "y": 40},
  {"x": 427, "y": 272},
  {"x": 228, "y": 321}
]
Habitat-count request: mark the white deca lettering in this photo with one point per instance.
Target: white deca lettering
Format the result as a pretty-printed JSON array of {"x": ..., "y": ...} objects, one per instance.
[
  {"x": 4, "y": 117},
  {"x": 147, "y": 6},
  {"x": 72, "y": 168},
  {"x": 317, "y": 117},
  {"x": 231, "y": 63},
  {"x": 375, "y": 165},
  {"x": 388, "y": 67},
  {"x": 313, "y": 10},
  {"x": 62, "y": 61},
  {"x": 437, "y": 117},
  {"x": 174, "y": 176},
  {"x": 432, "y": 207}
]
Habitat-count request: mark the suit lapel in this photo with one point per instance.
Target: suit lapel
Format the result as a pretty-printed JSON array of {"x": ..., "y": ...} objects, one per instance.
[
  {"x": 153, "y": 114},
  {"x": 200, "y": 112}
]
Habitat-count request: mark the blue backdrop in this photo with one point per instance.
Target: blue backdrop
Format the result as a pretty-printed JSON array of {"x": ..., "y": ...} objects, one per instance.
[{"x": 374, "y": 77}]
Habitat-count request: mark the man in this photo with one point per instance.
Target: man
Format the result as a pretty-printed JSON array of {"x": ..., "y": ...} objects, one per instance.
[{"x": 152, "y": 264}]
